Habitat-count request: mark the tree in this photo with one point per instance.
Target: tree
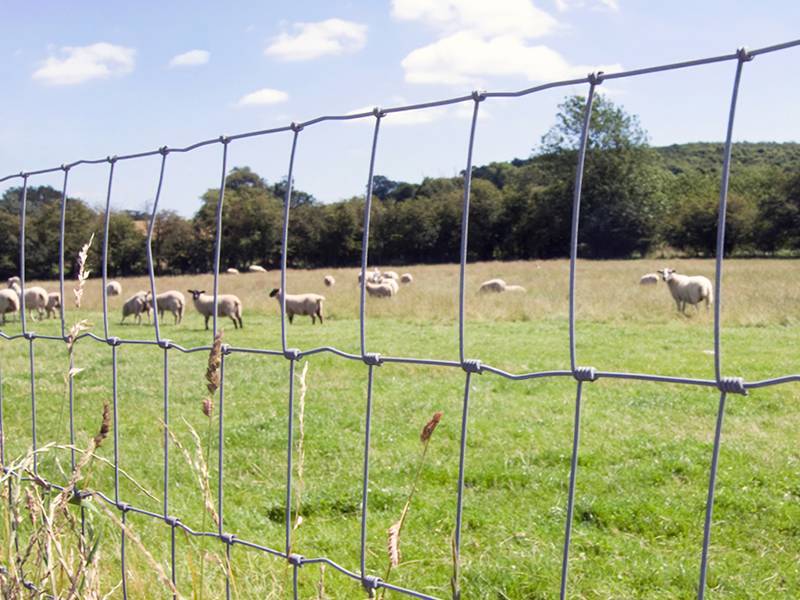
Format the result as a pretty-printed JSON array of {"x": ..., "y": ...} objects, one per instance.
[{"x": 622, "y": 196}]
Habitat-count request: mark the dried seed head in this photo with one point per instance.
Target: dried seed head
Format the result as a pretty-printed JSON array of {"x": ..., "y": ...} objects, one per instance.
[
  {"x": 214, "y": 361},
  {"x": 393, "y": 545},
  {"x": 83, "y": 272},
  {"x": 105, "y": 426},
  {"x": 75, "y": 331},
  {"x": 208, "y": 407},
  {"x": 427, "y": 431}
]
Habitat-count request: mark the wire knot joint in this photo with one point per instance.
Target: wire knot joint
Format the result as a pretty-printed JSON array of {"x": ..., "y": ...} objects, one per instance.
[
  {"x": 29, "y": 335},
  {"x": 296, "y": 127},
  {"x": 227, "y": 538},
  {"x": 744, "y": 54},
  {"x": 478, "y": 95},
  {"x": 585, "y": 374},
  {"x": 225, "y": 349},
  {"x": 123, "y": 507},
  {"x": 472, "y": 365},
  {"x": 372, "y": 359},
  {"x": 165, "y": 344},
  {"x": 113, "y": 341},
  {"x": 371, "y": 582},
  {"x": 378, "y": 112},
  {"x": 296, "y": 559},
  {"x": 163, "y": 151},
  {"x": 596, "y": 78},
  {"x": 291, "y": 354},
  {"x": 732, "y": 385},
  {"x": 171, "y": 521}
]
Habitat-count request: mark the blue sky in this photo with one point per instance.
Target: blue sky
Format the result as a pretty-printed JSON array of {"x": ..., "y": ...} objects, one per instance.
[{"x": 91, "y": 79}]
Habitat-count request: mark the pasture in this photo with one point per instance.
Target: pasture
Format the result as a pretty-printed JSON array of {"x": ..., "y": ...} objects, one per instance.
[{"x": 644, "y": 455}]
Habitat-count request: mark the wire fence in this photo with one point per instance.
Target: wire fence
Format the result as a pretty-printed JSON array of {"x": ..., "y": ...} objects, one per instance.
[{"x": 581, "y": 374}]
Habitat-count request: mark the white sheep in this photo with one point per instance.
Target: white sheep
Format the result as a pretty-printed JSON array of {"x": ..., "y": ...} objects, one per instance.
[
  {"x": 228, "y": 305},
  {"x": 53, "y": 302},
  {"x": 172, "y": 301},
  {"x": 374, "y": 276},
  {"x": 9, "y": 303},
  {"x": 493, "y": 285},
  {"x": 687, "y": 289},
  {"x": 232, "y": 271},
  {"x": 136, "y": 305},
  {"x": 256, "y": 269},
  {"x": 113, "y": 288},
  {"x": 35, "y": 296},
  {"x": 382, "y": 290},
  {"x": 329, "y": 280},
  {"x": 390, "y": 275},
  {"x": 515, "y": 288},
  {"x": 406, "y": 278},
  {"x": 301, "y": 304},
  {"x": 649, "y": 279}
]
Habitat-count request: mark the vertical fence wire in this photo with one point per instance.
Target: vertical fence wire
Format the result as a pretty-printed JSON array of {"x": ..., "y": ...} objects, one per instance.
[
  {"x": 149, "y": 244},
  {"x": 581, "y": 374}
]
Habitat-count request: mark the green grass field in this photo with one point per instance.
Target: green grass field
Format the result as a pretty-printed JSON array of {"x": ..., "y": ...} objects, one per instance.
[{"x": 644, "y": 456}]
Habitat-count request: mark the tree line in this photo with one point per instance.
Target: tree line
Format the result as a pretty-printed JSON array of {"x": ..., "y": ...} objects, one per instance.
[{"x": 636, "y": 201}]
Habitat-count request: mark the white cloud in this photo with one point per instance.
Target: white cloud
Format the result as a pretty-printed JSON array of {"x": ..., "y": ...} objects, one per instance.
[
  {"x": 77, "y": 64},
  {"x": 479, "y": 40},
  {"x": 467, "y": 58},
  {"x": 564, "y": 5},
  {"x": 495, "y": 17},
  {"x": 263, "y": 97},
  {"x": 191, "y": 58},
  {"x": 322, "y": 38}
]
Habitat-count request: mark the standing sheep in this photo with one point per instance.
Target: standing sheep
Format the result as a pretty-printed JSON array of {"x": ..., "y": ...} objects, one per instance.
[
  {"x": 493, "y": 285},
  {"x": 256, "y": 269},
  {"x": 113, "y": 288},
  {"x": 329, "y": 281},
  {"x": 136, "y": 305},
  {"x": 406, "y": 278},
  {"x": 301, "y": 304},
  {"x": 53, "y": 302},
  {"x": 228, "y": 305},
  {"x": 687, "y": 289},
  {"x": 9, "y": 303},
  {"x": 374, "y": 276},
  {"x": 35, "y": 297},
  {"x": 649, "y": 279},
  {"x": 382, "y": 290},
  {"x": 172, "y": 301}
]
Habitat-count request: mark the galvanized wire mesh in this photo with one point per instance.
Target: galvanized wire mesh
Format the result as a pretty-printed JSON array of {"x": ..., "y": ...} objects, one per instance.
[{"x": 581, "y": 374}]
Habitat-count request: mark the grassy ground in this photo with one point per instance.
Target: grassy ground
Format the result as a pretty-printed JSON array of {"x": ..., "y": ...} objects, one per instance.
[{"x": 645, "y": 447}]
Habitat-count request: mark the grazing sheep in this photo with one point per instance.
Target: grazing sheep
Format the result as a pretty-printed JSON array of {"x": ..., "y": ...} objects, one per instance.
[
  {"x": 228, "y": 305},
  {"x": 256, "y": 269},
  {"x": 172, "y": 301},
  {"x": 382, "y": 290},
  {"x": 232, "y": 271},
  {"x": 9, "y": 303},
  {"x": 390, "y": 275},
  {"x": 688, "y": 289},
  {"x": 136, "y": 305},
  {"x": 374, "y": 277},
  {"x": 53, "y": 302},
  {"x": 113, "y": 288},
  {"x": 515, "y": 288},
  {"x": 493, "y": 285},
  {"x": 406, "y": 278},
  {"x": 329, "y": 280},
  {"x": 35, "y": 297},
  {"x": 649, "y": 279},
  {"x": 301, "y": 304}
]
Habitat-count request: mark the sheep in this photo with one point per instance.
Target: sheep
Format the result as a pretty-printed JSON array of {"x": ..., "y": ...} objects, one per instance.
[
  {"x": 493, "y": 285},
  {"x": 172, "y": 301},
  {"x": 53, "y": 302},
  {"x": 256, "y": 269},
  {"x": 385, "y": 289},
  {"x": 35, "y": 297},
  {"x": 649, "y": 279},
  {"x": 329, "y": 280},
  {"x": 232, "y": 271},
  {"x": 228, "y": 305},
  {"x": 515, "y": 288},
  {"x": 113, "y": 288},
  {"x": 9, "y": 303},
  {"x": 688, "y": 289},
  {"x": 390, "y": 275},
  {"x": 136, "y": 305},
  {"x": 301, "y": 304},
  {"x": 406, "y": 278},
  {"x": 374, "y": 277}
]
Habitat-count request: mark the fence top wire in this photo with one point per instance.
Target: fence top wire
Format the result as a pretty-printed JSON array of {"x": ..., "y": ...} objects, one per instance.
[{"x": 386, "y": 111}]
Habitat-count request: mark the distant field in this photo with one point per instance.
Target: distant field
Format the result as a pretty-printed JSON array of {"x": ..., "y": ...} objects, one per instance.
[{"x": 645, "y": 447}]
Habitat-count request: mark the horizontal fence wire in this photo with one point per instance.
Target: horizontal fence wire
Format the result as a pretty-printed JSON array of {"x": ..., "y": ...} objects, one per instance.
[{"x": 581, "y": 374}]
